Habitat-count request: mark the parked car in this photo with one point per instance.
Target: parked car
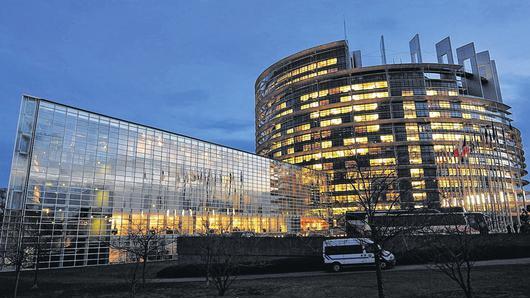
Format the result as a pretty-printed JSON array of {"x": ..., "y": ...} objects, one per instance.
[
  {"x": 243, "y": 234},
  {"x": 339, "y": 253}
]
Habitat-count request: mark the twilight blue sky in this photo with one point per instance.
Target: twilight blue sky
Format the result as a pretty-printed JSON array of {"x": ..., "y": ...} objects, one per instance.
[{"x": 190, "y": 66}]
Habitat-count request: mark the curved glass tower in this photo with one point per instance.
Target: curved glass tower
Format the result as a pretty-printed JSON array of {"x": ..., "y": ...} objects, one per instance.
[{"x": 441, "y": 127}]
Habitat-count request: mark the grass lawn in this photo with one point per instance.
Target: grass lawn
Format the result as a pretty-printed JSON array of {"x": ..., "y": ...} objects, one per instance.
[{"x": 495, "y": 281}]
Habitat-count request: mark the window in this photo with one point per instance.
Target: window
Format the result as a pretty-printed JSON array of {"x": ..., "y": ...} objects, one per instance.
[
  {"x": 467, "y": 65},
  {"x": 416, "y": 173},
  {"x": 335, "y": 121},
  {"x": 422, "y": 109},
  {"x": 326, "y": 144},
  {"x": 387, "y": 138},
  {"x": 365, "y": 107},
  {"x": 357, "y": 140},
  {"x": 407, "y": 93},
  {"x": 363, "y": 118},
  {"x": 343, "y": 250},
  {"x": 370, "y": 248},
  {"x": 23, "y": 145},
  {"x": 372, "y": 128}
]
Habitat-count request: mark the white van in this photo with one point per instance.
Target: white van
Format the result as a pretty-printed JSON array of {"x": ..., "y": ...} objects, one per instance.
[{"x": 353, "y": 251}]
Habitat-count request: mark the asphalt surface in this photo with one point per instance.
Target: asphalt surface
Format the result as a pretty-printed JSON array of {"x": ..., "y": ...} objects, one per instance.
[{"x": 520, "y": 261}]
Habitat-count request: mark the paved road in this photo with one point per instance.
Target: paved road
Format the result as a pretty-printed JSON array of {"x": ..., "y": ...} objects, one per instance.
[{"x": 321, "y": 273}]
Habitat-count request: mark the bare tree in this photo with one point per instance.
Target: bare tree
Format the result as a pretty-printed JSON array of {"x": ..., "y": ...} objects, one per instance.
[
  {"x": 39, "y": 245},
  {"x": 378, "y": 194},
  {"x": 17, "y": 253},
  {"x": 140, "y": 244},
  {"x": 221, "y": 262},
  {"x": 453, "y": 251}
]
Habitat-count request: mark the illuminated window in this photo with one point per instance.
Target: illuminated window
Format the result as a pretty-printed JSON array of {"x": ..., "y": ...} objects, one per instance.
[
  {"x": 446, "y": 126},
  {"x": 326, "y": 144},
  {"x": 309, "y": 105},
  {"x": 303, "y": 127},
  {"x": 412, "y": 132},
  {"x": 362, "y": 151},
  {"x": 415, "y": 155},
  {"x": 409, "y": 109},
  {"x": 444, "y": 104},
  {"x": 287, "y": 142},
  {"x": 327, "y": 166},
  {"x": 372, "y": 95},
  {"x": 303, "y": 138},
  {"x": 358, "y": 140},
  {"x": 407, "y": 93},
  {"x": 416, "y": 173},
  {"x": 368, "y": 117},
  {"x": 329, "y": 122},
  {"x": 290, "y": 150},
  {"x": 434, "y": 114},
  {"x": 447, "y": 137},
  {"x": 365, "y": 107},
  {"x": 370, "y": 85},
  {"x": 418, "y": 184},
  {"x": 387, "y": 138},
  {"x": 419, "y": 196},
  {"x": 431, "y": 92},
  {"x": 372, "y": 128},
  {"x": 382, "y": 161}
]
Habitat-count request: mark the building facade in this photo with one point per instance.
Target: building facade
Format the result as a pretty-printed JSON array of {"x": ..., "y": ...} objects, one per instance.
[
  {"x": 442, "y": 128},
  {"x": 82, "y": 180}
]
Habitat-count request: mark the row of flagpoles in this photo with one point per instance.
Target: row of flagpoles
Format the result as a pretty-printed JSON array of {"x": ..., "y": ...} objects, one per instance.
[{"x": 481, "y": 185}]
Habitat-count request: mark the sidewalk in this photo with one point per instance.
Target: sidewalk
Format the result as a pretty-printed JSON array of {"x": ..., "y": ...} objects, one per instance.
[{"x": 322, "y": 273}]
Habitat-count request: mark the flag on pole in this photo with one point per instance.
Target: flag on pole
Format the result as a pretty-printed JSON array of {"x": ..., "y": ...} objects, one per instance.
[{"x": 462, "y": 150}]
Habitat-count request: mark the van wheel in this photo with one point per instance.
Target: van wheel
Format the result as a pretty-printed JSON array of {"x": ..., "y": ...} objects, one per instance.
[
  {"x": 383, "y": 265},
  {"x": 336, "y": 267}
]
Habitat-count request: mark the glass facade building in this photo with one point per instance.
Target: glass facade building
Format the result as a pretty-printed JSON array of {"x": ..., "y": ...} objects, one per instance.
[
  {"x": 82, "y": 179},
  {"x": 442, "y": 128}
]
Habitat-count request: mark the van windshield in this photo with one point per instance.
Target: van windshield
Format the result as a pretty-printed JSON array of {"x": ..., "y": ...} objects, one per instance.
[
  {"x": 343, "y": 250},
  {"x": 370, "y": 248}
]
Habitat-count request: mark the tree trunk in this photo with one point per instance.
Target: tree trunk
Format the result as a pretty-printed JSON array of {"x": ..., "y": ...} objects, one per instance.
[
  {"x": 379, "y": 275},
  {"x": 221, "y": 291},
  {"x": 377, "y": 257},
  {"x": 35, "y": 277},
  {"x": 17, "y": 278},
  {"x": 133, "y": 280},
  {"x": 36, "y": 272},
  {"x": 144, "y": 265},
  {"x": 468, "y": 293}
]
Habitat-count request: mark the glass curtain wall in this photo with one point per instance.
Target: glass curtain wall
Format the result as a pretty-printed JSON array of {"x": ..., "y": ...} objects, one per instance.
[{"x": 80, "y": 179}]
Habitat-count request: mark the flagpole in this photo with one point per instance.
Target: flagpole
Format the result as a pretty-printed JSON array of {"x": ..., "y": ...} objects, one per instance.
[
  {"x": 501, "y": 175},
  {"x": 491, "y": 198},
  {"x": 469, "y": 173},
  {"x": 497, "y": 182},
  {"x": 493, "y": 174},
  {"x": 458, "y": 172},
  {"x": 516, "y": 182}
]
